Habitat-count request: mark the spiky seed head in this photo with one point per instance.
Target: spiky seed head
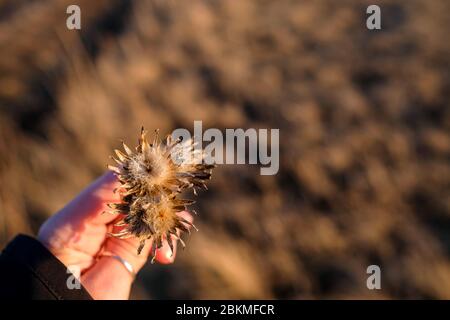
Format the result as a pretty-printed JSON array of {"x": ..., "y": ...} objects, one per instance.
[{"x": 151, "y": 182}]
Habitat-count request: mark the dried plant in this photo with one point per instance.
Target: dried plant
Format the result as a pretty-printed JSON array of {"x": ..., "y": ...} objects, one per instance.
[{"x": 151, "y": 183}]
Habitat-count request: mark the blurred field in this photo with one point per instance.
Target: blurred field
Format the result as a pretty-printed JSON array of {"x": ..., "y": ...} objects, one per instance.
[{"x": 364, "y": 122}]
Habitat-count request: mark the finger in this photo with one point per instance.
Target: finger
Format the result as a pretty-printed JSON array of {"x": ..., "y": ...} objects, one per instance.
[
  {"x": 90, "y": 204},
  {"x": 80, "y": 226},
  {"x": 165, "y": 254}
]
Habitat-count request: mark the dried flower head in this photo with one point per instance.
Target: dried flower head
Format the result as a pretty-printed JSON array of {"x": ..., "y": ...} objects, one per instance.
[{"x": 151, "y": 182}]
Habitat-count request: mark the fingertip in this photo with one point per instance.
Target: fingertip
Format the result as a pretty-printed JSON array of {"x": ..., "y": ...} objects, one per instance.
[
  {"x": 163, "y": 258},
  {"x": 105, "y": 187},
  {"x": 165, "y": 254}
]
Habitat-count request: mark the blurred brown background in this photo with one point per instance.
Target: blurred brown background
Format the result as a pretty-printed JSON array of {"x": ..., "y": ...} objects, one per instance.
[{"x": 364, "y": 134}]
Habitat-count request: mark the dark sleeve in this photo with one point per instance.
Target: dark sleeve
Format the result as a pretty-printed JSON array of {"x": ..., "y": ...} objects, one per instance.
[{"x": 29, "y": 271}]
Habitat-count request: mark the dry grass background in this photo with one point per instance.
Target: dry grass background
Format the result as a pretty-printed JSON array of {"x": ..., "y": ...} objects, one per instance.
[{"x": 364, "y": 119}]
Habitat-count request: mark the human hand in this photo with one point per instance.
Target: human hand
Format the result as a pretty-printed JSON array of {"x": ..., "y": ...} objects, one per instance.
[{"x": 77, "y": 236}]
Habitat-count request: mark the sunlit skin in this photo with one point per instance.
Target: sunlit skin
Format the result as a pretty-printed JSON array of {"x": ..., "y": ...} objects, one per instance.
[{"x": 77, "y": 235}]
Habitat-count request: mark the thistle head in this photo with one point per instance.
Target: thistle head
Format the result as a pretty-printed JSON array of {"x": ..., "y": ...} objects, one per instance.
[{"x": 151, "y": 183}]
